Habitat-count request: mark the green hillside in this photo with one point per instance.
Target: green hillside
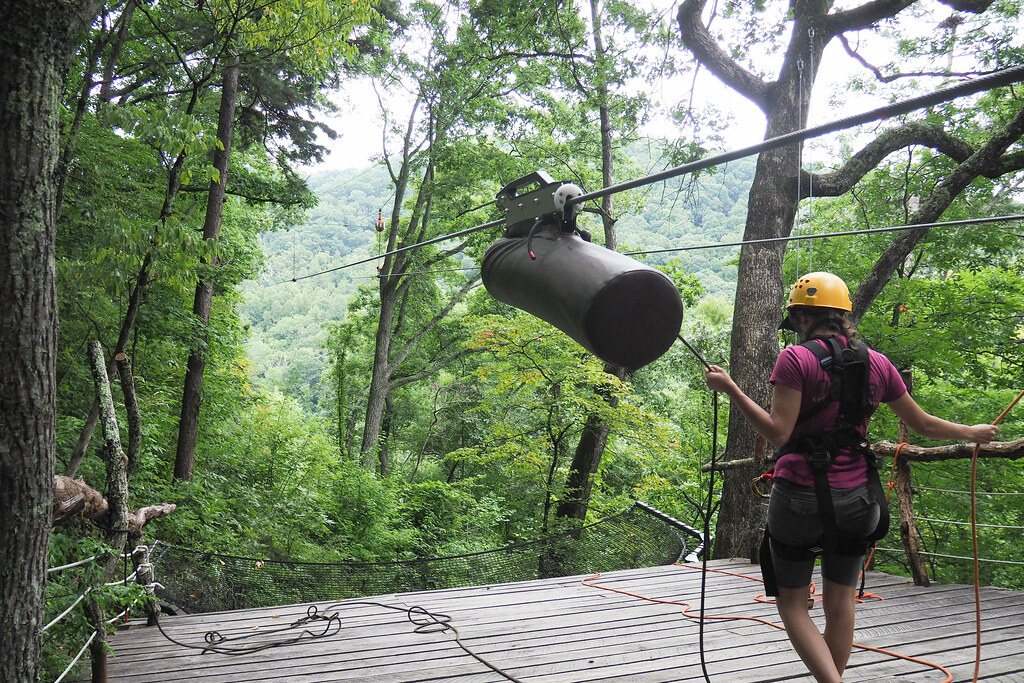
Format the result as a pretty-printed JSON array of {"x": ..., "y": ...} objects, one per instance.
[{"x": 287, "y": 317}]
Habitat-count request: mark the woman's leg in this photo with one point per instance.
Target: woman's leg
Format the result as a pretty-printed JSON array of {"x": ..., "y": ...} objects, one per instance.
[
  {"x": 839, "y": 606},
  {"x": 808, "y": 642}
]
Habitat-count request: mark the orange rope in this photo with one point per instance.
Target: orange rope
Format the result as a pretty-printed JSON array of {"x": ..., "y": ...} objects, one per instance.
[
  {"x": 974, "y": 544},
  {"x": 586, "y": 581},
  {"x": 888, "y": 490}
]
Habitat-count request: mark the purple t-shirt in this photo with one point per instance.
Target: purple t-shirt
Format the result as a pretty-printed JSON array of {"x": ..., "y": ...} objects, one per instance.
[{"x": 800, "y": 369}]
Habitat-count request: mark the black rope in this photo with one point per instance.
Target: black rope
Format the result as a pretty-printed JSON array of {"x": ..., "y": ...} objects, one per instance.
[
  {"x": 423, "y": 619},
  {"x": 215, "y": 642},
  {"x": 706, "y": 513},
  {"x": 694, "y": 352}
]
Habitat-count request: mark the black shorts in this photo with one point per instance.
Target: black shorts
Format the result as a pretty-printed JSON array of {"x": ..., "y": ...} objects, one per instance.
[{"x": 793, "y": 521}]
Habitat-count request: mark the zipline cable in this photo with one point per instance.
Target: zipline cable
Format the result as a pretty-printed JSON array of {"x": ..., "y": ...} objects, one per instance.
[
  {"x": 964, "y": 222},
  {"x": 994, "y": 80},
  {"x": 442, "y": 238}
]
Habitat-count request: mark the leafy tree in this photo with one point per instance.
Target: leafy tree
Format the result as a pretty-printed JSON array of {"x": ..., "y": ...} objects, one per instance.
[
  {"x": 38, "y": 43},
  {"x": 260, "y": 34},
  {"x": 784, "y": 99},
  {"x": 454, "y": 87},
  {"x": 534, "y": 389}
]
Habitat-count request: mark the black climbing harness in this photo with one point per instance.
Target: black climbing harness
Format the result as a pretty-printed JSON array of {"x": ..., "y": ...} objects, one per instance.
[{"x": 848, "y": 369}]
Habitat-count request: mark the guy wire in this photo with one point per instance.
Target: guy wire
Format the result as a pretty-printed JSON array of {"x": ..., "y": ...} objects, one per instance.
[
  {"x": 993, "y": 80},
  {"x": 842, "y": 233}
]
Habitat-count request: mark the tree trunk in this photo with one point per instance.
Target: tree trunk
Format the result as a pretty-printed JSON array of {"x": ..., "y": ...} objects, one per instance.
[
  {"x": 188, "y": 425},
  {"x": 590, "y": 449},
  {"x": 36, "y": 46},
  {"x": 754, "y": 344},
  {"x": 117, "y": 505},
  {"x": 380, "y": 379},
  {"x": 380, "y": 374},
  {"x": 770, "y": 214},
  {"x": 585, "y": 461}
]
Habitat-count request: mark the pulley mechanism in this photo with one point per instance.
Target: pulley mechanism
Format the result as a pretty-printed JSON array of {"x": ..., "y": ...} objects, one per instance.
[
  {"x": 548, "y": 202},
  {"x": 623, "y": 311}
]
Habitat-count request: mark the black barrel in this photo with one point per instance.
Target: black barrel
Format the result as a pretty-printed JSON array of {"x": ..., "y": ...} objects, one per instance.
[{"x": 622, "y": 311}]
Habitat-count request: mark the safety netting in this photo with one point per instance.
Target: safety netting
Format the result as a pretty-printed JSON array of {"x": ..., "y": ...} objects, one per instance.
[{"x": 198, "y": 581}]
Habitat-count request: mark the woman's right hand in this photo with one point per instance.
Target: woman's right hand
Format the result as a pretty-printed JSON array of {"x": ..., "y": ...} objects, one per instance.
[
  {"x": 983, "y": 433},
  {"x": 718, "y": 379}
]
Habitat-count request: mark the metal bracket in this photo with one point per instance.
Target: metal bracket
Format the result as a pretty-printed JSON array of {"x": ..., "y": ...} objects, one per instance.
[{"x": 549, "y": 200}]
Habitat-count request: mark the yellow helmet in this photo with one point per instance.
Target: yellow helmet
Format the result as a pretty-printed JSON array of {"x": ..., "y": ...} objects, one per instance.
[
  {"x": 820, "y": 289},
  {"x": 823, "y": 290}
]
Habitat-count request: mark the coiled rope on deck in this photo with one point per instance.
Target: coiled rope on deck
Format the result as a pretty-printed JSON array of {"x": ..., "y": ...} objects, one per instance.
[{"x": 423, "y": 619}]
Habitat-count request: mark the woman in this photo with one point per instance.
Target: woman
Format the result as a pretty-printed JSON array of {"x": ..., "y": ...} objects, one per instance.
[{"x": 816, "y": 309}]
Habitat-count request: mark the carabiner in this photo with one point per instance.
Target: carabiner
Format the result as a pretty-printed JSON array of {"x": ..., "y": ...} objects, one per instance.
[{"x": 767, "y": 476}]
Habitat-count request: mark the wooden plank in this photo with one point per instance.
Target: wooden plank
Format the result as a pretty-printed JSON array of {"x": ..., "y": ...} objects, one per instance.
[{"x": 563, "y": 631}]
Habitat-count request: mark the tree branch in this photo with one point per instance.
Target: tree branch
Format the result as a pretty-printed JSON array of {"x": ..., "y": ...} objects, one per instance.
[
  {"x": 438, "y": 317},
  {"x": 131, "y": 404},
  {"x": 864, "y": 16},
  {"x": 985, "y": 160},
  {"x": 860, "y": 164},
  {"x": 882, "y": 78},
  {"x": 73, "y": 497},
  {"x": 704, "y": 48},
  {"x": 543, "y": 53},
  {"x": 291, "y": 200},
  {"x": 1012, "y": 450},
  {"x": 430, "y": 370}
]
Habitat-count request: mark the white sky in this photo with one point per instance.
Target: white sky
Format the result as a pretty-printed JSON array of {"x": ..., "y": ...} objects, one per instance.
[{"x": 359, "y": 125}]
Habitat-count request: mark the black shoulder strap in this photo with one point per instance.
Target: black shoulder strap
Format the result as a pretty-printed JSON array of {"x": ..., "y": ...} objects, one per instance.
[
  {"x": 855, "y": 383},
  {"x": 848, "y": 371},
  {"x": 826, "y": 357}
]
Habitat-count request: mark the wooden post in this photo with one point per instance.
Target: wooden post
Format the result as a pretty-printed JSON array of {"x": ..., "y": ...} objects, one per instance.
[
  {"x": 145, "y": 576},
  {"x": 905, "y": 496},
  {"x": 117, "y": 497},
  {"x": 98, "y": 648}
]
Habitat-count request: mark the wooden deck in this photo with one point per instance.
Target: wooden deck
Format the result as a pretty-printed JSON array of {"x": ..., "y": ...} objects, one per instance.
[{"x": 562, "y": 630}]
